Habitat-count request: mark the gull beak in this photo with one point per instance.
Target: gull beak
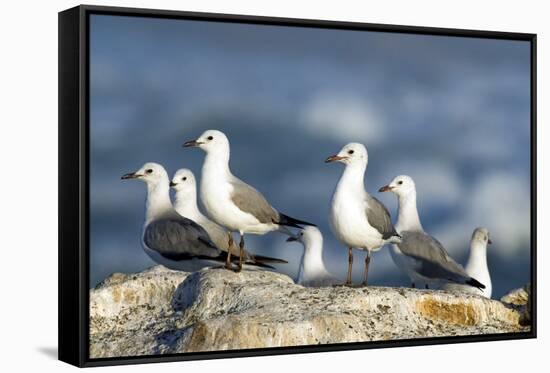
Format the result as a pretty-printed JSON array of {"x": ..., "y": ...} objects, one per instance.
[
  {"x": 172, "y": 184},
  {"x": 385, "y": 188},
  {"x": 291, "y": 239},
  {"x": 192, "y": 144},
  {"x": 334, "y": 158},
  {"x": 489, "y": 241},
  {"x": 131, "y": 175}
]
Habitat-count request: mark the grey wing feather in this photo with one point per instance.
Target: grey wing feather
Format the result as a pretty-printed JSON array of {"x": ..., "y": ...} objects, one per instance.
[
  {"x": 180, "y": 238},
  {"x": 434, "y": 260},
  {"x": 379, "y": 218},
  {"x": 249, "y": 200}
]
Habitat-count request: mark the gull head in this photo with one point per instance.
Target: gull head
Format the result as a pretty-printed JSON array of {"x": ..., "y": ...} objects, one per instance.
[
  {"x": 183, "y": 181},
  {"x": 307, "y": 236},
  {"x": 401, "y": 185},
  {"x": 481, "y": 235},
  {"x": 352, "y": 153},
  {"x": 151, "y": 173},
  {"x": 211, "y": 141}
]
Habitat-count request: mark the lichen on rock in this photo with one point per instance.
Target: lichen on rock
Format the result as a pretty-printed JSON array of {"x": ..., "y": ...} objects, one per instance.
[{"x": 162, "y": 311}]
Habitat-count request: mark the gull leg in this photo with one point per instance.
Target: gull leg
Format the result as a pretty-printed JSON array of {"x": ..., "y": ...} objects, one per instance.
[
  {"x": 228, "y": 259},
  {"x": 413, "y": 285},
  {"x": 367, "y": 262},
  {"x": 350, "y": 265},
  {"x": 241, "y": 253},
  {"x": 427, "y": 287}
]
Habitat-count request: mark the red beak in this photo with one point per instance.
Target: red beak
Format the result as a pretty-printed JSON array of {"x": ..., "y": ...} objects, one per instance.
[{"x": 334, "y": 158}]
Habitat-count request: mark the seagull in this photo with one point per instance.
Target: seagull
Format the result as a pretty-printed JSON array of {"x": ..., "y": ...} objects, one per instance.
[
  {"x": 356, "y": 218},
  {"x": 312, "y": 269},
  {"x": 231, "y": 202},
  {"x": 477, "y": 264},
  {"x": 168, "y": 238},
  {"x": 419, "y": 255},
  {"x": 185, "y": 204}
]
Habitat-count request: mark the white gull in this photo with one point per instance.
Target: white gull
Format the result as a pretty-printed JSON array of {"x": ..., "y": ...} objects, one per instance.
[
  {"x": 477, "y": 264},
  {"x": 419, "y": 255},
  {"x": 357, "y": 219},
  {"x": 312, "y": 270},
  {"x": 184, "y": 184},
  {"x": 167, "y": 237},
  {"x": 231, "y": 202}
]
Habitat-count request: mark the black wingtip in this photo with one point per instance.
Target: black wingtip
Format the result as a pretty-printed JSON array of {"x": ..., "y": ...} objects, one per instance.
[
  {"x": 208, "y": 242},
  {"x": 288, "y": 224},
  {"x": 291, "y": 222},
  {"x": 260, "y": 265},
  {"x": 267, "y": 259},
  {"x": 475, "y": 283},
  {"x": 387, "y": 236},
  {"x": 222, "y": 258}
]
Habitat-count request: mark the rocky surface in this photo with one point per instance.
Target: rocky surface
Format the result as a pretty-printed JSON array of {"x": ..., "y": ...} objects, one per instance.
[
  {"x": 520, "y": 299},
  {"x": 163, "y": 311}
]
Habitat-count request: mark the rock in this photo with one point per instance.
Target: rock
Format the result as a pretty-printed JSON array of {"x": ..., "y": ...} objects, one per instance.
[
  {"x": 162, "y": 311},
  {"x": 520, "y": 299}
]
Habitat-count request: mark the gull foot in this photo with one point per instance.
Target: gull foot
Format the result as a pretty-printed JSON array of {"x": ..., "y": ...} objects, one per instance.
[
  {"x": 218, "y": 267},
  {"x": 225, "y": 266},
  {"x": 348, "y": 284},
  {"x": 344, "y": 284}
]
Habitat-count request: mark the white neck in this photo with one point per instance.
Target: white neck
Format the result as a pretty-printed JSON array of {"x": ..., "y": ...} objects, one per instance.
[
  {"x": 477, "y": 266},
  {"x": 312, "y": 260},
  {"x": 216, "y": 163},
  {"x": 186, "y": 204},
  {"x": 158, "y": 201},
  {"x": 478, "y": 256},
  {"x": 353, "y": 178},
  {"x": 407, "y": 218}
]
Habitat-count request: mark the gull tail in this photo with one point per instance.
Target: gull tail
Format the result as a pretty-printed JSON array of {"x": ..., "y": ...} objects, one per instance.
[
  {"x": 291, "y": 222},
  {"x": 475, "y": 283}
]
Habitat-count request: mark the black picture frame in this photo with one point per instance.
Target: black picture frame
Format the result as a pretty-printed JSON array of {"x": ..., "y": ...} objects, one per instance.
[{"x": 74, "y": 182}]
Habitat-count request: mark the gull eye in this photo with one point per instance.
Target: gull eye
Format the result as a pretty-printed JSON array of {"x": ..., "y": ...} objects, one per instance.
[
  {"x": 184, "y": 178},
  {"x": 350, "y": 152},
  {"x": 210, "y": 138},
  {"x": 149, "y": 171},
  {"x": 400, "y": 182}
]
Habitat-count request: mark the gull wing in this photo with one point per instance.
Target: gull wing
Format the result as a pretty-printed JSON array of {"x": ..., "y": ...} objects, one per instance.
[
  {"x": 379, "y": 217},
  {"x": 434, "y": 261},
  {"x": 249, "y": 200},
  {"x": 180, "y": 239}
]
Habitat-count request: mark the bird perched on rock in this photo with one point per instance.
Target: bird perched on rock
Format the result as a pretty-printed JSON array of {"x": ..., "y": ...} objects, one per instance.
[
  {"x": 312, "y": 268},
  {"x": 168, "y": 238},
  {"x": 231, "y": 202},
  {"x": 419, "y": 255},
  {"x": 357, "y": 219},
  {"x": 476, "y": 266},
  {"x": 185, "y": 185}
]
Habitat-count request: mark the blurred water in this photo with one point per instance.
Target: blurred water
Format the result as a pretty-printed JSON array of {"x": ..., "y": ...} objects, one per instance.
[{"x": 453, "y": 113}]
